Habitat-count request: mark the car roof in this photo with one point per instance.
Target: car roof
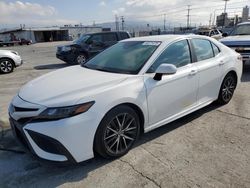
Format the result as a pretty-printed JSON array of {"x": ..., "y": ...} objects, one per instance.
[
  {"x": 104, "y": 32},
  {"x": 166, "y": 38}
]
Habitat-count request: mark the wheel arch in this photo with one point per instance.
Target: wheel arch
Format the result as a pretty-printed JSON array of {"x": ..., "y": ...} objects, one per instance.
[
  {"x": 138, "y": 111},
  {"x": 234, "y": 73}
]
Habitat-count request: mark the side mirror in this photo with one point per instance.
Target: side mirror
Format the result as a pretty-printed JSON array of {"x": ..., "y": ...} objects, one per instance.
[
  {"x": 224, "y": 34},
  {"x": 164, "y": 69}
]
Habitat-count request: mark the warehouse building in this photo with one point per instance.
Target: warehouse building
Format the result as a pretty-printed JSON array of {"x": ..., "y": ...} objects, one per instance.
[{"x": 47, "y": 34}]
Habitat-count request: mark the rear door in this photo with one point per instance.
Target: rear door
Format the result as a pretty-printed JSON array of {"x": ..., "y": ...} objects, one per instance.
[{"x": 209, "y": 64}]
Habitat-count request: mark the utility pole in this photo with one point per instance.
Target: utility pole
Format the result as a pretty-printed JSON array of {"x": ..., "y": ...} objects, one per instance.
[
  {"x": 225, "y": 12},
  {"x": 210, "y": 20},
  {"x": 122, "y": 18},
  {"x": 188, "y": 16},
  {"x": 116, "y": 23},
  {"x": 225, "y": 8},
  {"x": 164, "y": 22}
]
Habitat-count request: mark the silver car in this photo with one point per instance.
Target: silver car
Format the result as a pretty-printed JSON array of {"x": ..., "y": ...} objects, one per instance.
[{"x": 9, "y": 60}]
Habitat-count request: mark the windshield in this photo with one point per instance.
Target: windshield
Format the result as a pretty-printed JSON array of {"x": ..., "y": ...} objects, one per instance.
[
  {"x": 241, "y": 30},
  {"x": 82, "y": 39},
  {"x": 124, "y": 57}
]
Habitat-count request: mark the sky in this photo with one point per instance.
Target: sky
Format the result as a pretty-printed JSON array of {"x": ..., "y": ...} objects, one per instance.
[{"x": 86, "y": 12}]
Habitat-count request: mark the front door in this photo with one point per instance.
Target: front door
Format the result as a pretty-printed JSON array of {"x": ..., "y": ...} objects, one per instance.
[{"x": 176, "y": 93}]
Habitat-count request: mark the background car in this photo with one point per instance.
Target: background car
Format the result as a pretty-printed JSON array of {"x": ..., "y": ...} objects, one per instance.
[
  {"x": 88, "y": 46},
  {"x": 25, "y": 42},
  {"x": 133, "y": 87},
  {"x": 9, "y": 60},
  {"x": 214, "y": 33},
  {"x": 239, "y": 40}
]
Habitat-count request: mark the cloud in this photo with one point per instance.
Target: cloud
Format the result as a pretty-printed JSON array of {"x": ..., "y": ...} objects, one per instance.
[
  {"x": 176, "y": 10},
  {"x": 29, "y": 13},
  {"x": 102, "y": 3},
  {"x": 119, "y": 11}
]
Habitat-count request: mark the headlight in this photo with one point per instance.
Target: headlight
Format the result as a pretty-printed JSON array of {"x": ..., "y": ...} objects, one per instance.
[
  {"x": 66, "y": 48},
  {"x": 65, "y": 112}
]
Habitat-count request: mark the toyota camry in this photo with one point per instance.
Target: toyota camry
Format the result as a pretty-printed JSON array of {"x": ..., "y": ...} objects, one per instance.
[{"x": 131, "y": 88}]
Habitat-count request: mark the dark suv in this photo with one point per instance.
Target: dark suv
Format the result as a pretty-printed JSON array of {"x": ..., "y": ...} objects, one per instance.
[{"x": 89, "y": 45}]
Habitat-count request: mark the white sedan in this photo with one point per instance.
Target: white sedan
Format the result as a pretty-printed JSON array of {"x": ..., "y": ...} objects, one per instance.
[
  {"x": 9, "y": 60},
  {"x": 131, "y": 88}
]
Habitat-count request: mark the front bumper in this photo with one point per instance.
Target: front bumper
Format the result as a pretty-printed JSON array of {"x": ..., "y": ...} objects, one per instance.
[
  {"x": 66, "y": 56},
  {"x": 65, "y": 140},
  {"x": 18, "y": 61}
]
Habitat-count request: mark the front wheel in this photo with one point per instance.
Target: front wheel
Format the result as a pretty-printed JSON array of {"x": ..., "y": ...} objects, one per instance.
[
  {"x": 6, "y": 66},
  {"x": 117, "y": 132},
  {"x": 227, "y": 89}
]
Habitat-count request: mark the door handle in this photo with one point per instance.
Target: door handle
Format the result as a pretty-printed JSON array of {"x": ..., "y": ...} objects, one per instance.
[
  {"x": 221, "y": 63},
  {"x": 193, "y": 72}
]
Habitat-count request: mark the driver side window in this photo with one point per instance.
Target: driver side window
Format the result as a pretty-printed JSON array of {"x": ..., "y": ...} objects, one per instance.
[
  {"x": 96, "y": 38},
  {"x": 177, "y": 54}
]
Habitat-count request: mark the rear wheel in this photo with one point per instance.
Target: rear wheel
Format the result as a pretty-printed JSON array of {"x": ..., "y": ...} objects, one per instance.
[
  {"x": 227, "y": 89},
  {"x": 6, "y": 66},
  {"x": 117, "y": 132}
]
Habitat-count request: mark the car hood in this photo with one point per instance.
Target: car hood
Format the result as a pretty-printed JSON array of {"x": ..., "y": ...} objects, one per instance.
[
  {"x": 238, "y": 40},
  {"x": 67, "y": 86}
]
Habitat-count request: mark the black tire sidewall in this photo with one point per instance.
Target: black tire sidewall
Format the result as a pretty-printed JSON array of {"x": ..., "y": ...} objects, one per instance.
[{"x": 99, "y": 145}]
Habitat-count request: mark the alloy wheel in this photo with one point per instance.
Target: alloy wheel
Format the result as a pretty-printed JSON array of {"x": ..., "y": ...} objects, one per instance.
[
  {"x": 120, "y": 133},
  {"x": 81, "y": 59},
  {"x": 228, "y": 88},
  {"x": 6, "y": 66}
]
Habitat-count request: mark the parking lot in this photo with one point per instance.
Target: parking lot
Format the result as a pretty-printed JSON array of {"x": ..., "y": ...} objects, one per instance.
[{"x": 209, "y": 148}]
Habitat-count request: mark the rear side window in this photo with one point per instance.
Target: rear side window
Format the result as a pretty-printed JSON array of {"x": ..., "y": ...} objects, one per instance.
[
  {"x": 216, "y": 49},
  {"x": 203, "y": 49},
  {"x": 124, "y": 35},
  {"x": 109, "y": 37}
]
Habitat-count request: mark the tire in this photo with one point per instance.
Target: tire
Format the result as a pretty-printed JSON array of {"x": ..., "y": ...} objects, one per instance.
[
  {"x": 117, "y": 132},
  {"x": 81, "y": 59},
  {"x": 227, "y": 89},
  {"x": 6, "y": 66}
]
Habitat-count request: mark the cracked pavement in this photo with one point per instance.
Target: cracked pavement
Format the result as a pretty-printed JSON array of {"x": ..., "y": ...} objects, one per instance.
[{"x": 208, "y": 148}]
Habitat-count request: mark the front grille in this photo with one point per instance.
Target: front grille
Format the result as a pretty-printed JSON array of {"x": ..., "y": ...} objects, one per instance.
[
  {"x": 19, "y": 109},
  {"x": 24, "y": 121},
  {"x": 243, "y": 51}
]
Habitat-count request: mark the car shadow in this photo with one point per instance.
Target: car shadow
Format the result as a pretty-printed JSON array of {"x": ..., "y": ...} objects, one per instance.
[
  {"x": 51, "y": 66},
  {"x": 246, "y": 74},
  {"x": 78, "y": 172}
]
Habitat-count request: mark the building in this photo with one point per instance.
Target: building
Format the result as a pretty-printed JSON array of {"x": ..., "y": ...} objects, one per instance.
[
  {"x": 245, "y": 14},
  {"x": 222, "y": 20},
  {"x": 76, "y": 31},
  {"x": 47, "y": 34}
]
